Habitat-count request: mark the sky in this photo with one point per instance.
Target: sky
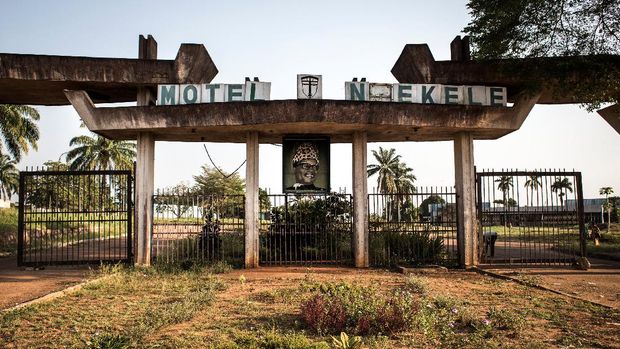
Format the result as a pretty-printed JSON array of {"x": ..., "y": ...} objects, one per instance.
[{"x": 275, "y": 41}]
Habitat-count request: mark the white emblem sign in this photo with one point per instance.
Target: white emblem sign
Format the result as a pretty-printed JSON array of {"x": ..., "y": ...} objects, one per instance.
[{"x": 309, "y": 86}]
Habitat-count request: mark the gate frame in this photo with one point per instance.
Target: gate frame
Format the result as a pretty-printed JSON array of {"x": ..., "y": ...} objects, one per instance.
[
  {"x": 130, "y": 181},
  {"x": 578, "y": 188}
]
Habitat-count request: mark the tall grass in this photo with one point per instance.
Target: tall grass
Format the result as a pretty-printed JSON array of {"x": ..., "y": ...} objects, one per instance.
[{"x": 8, "y": 230}]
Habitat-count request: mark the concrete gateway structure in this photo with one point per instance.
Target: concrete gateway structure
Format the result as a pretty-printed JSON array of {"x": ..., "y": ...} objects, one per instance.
[{"x": 243, "y": 113}]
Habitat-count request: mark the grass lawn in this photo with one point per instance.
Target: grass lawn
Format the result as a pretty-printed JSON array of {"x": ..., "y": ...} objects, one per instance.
[{"x": 262, "y": 308}]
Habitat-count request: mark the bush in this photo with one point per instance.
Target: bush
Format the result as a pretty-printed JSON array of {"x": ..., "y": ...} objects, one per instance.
[
  {"x": 109, "y": 341},
  {"x": 334, "y": 308},
  {"x": 8, "y": 230}
]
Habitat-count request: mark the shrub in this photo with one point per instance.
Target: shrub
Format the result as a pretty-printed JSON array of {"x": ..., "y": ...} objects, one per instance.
[
  {"x": 324, "y": 315},
  {"x": 109, "y": 341},
  {"x": 359, "y": 310}
]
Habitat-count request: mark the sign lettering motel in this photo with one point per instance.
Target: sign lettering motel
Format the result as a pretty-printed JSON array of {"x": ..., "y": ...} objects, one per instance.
[{"x": 354, "y": 91}]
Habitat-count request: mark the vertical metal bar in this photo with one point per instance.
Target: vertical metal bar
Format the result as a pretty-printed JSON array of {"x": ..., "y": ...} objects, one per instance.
[
  {"x": 20, "y": 219},
  {"x": 127, "y": 201},
  {"x": 580, "y": 214}
]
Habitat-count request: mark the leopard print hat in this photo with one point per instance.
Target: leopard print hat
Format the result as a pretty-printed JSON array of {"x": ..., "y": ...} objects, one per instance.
[{"x": 306, "y": 151}]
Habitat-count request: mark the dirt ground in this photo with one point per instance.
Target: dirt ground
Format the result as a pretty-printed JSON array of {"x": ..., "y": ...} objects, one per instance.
[
  {"x": 19, "y": 284},
  {"x": 600, "y": 284}
]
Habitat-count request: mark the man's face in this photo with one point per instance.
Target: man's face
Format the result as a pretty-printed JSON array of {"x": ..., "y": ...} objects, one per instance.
[{"x": 305, "y": 171}]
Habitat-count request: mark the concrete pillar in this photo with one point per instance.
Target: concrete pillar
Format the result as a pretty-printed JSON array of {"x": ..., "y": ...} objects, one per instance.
[
  {"x": 144, "y": 197},
  {"x": 465, "y": 179},
  {"x": 145, "y": 173},
  {"x": 360, "y": 201},
  {"x": 251, "y": 201}
]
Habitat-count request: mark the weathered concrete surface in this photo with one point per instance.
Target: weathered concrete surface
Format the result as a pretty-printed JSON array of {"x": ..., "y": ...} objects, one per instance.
[
  {"x": 465, "y": 180},
  {"x": 41, "y": 79},
  {"x": 360, "y": 208},
  {"x": 251, "y": 201},
  {"x": 145, "y": 181},
  {"x": 611, "y": 114},
  {"x": 229, "y": 122},
  {"x": 416, "y": 64}
]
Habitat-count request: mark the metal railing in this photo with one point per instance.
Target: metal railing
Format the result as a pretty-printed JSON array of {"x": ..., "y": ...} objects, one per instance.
[
  {"x": 74, "y": 217},
  {"x": 306, "y": 229},
  {"x": 413, "y": 228},
  {"x": 530, "y": 217},
  {"x": 190, "y": 226}
]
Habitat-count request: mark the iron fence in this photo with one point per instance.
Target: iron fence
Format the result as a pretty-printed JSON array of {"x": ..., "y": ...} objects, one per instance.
[
  {"x": 413, "y": 228},
  {"x": 73, "y": 217},
  {"x": 306, "y": 229},
  {"x": 190, "y": 226},
  {"x": 530, "y": 217}
]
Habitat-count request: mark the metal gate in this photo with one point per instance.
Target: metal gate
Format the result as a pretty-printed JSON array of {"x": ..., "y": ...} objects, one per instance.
[
  {"x": 306, "y": 229},
  {"x": 530, "y": 217},
  {"x": 74, "y": 217}
]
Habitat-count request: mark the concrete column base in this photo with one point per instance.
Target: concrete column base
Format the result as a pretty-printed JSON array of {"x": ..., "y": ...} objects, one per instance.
[
  {"x": 251, "y": 202},
  {"x": 465, "y": 179},
  {"x": 360, "y": 201}
]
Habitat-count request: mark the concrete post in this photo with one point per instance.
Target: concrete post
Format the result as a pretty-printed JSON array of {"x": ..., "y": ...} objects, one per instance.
[
  {"x": 465, "y": 179},
  {"x": 145, "y": 173},
  {"x": 360, "y": 201},
  {"x": 251, "y": 201},
  {"x": 144, "y": 197}
]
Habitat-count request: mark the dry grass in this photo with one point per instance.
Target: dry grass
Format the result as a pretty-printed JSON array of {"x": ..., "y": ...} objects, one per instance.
[{"x": 261, "y": 309}]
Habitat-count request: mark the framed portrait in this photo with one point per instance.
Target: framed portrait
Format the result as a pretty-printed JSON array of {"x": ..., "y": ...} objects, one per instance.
[{"x": 305, "y": 164}]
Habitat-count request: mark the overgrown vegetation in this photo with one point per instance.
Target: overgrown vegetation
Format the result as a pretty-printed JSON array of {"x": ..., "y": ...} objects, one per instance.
[
  {"x": 8, "y": 231},
  {"x": 172, "y": 306},
  {"x": 118, "y": 310}
]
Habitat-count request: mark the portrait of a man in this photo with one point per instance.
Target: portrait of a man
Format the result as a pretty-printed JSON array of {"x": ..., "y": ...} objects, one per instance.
[{"x": 306, "y": 165}]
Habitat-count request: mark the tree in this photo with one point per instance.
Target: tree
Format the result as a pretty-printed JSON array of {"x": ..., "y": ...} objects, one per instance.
[
  {"x": 504, "y": 183},
  {"x": 532, "y": 183},
  {"x": 553, "y": 28},
  {"x": 213, "y": 182},
  {"x": 386, "y": 168},
  {"x": 561, "y": 186},
  {"x": 404, "y": 179},
  {"x": 9, "y": 177},
  {"x": 607, "y": 191},
  {"x": 394, "y": 177},
  {"x": 18, "y": 130},
  {"x": 100, "y": 153}
]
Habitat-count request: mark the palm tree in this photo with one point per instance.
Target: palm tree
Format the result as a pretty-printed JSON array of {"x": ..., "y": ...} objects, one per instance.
[
  {"x": 9, "y": 177},
  {"x": 504, "y": 183},
  {"x": 404, "y": 178},
  {"x": 386, "y": 168},
  {"x": 532, "y": 183},
  {"x": 607, "y": 191},
  {"x": 18, "y": 130},
  {"x": 561, "y": 186},
  {"x": 100, "y": 153}
]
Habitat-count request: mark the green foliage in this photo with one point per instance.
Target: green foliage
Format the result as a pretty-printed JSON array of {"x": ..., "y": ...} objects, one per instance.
[
  {"x": 416, "y": 284},
  {"x": 412, "y": 248},
  {"x": 271, "y": 340},
  {"x": 432, "y": 199},
  {"x": 552, "y": 28},
  {"x": 346, "y": 342},
  {"x": 9, "y": 177},
  {"x": 8, "y": 230},
  {"x": 535, "y": 28},
  {"x": 211, "y": 182},
  {"x": 18, "y": 130},
  {"x": 100, "y": 153},
  {"x": 394, "y": 176},
  {"x": 333, "y": 308},
  {"x": 560, "y": 187},
  {"x": 109, "y": 341}
]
